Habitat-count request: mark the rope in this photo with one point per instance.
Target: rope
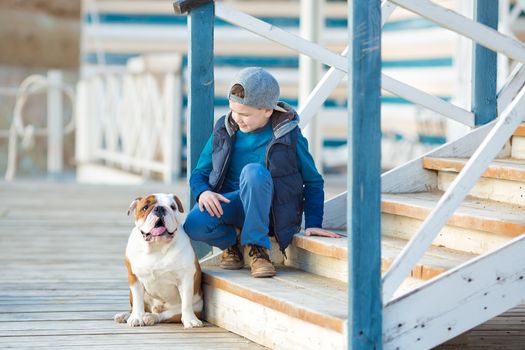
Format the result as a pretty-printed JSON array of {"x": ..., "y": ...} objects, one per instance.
[{"x": 31, "y": 85}]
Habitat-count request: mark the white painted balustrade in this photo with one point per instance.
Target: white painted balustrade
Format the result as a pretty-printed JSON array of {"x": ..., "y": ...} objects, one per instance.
[{"x": 132, "y": 122}]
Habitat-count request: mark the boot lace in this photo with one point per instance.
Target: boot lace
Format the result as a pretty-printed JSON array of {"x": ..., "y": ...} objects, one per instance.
[
  {"x": 258, "y": 252},
  {"x": 235, "y": 251}
]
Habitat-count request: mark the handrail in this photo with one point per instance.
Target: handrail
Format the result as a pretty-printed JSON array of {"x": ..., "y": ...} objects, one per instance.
[
  {"x": 512, "y": 86},
  {"x": 332, "y": 78},
  {"x": 480, "y": 33},
  {"x": 339, "y": 62},
  {"x": 452, "y": 198}
]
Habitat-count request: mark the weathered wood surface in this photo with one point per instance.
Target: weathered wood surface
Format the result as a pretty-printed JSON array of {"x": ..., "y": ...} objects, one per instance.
[{"x": 63, "y": 276}]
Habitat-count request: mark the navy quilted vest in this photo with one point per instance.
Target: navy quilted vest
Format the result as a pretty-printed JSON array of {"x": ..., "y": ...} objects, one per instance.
[{"x": 281, "y": 160}]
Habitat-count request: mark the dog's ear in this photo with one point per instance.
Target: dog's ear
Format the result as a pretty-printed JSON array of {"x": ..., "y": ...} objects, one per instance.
[
  {"x": 133, "y": 205},
  {"x": 179, "y": 203}
]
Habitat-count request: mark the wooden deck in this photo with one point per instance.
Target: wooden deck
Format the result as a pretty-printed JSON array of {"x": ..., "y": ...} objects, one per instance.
[{"x": 63, "y": 278}]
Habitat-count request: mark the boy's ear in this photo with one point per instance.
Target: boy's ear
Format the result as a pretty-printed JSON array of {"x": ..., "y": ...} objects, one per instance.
[{"x": 268, "y": 112}]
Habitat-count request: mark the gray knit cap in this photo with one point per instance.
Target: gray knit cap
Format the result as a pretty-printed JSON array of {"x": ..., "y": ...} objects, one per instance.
[{"x": 261, "y": 90}]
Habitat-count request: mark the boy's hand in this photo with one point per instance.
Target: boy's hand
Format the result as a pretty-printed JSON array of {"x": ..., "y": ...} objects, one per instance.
[
  {"x": 211, "y": 201},
  {"x": 315, "y": 231}
]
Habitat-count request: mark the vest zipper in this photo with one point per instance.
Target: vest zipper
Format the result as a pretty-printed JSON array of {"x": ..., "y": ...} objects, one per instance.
[{"x": 271, "y": 208}]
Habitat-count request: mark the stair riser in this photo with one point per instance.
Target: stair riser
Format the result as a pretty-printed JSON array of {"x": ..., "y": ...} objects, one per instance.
[
  {"x": 506, "y": 191},
  {"x": 518, "y": 147},
  {"x": 321, "y": 265},
  {"x": 338, "y": 269},
  {"x": 466, "y": 240},
  {"x": 266, "y": 326}
]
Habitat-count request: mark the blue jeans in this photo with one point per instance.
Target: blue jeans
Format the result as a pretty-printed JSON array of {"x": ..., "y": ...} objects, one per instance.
[{"x": 249, "y": 209}]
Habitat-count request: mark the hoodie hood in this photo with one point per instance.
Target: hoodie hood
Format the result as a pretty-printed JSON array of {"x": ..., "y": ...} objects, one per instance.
[{"x": 282, "y": 122}]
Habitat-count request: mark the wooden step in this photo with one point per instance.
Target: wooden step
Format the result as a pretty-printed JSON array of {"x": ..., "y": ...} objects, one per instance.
[
  {"x": 299, "y": 310},
  {"x": 478, "y": 226},
  {"x": 501, "y": 168},
  {"x": 293, "y": 310},
  {"x": 328, "y": 257},
  {"x": 503, "y": 181},
  {"x": 520, "y": 131}
]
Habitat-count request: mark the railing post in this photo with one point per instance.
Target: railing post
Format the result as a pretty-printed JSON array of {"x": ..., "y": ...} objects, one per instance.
[
  {"x": 311, "y": 28},
  {"x": 173, "y": 102},
  {"x": 364, "y": 171},
  {"x": 201, "y": 84},
  {"x": 55, "y": 138},
  {"x": 484, "y": 65},
  {"x": 82, "y": 147}
]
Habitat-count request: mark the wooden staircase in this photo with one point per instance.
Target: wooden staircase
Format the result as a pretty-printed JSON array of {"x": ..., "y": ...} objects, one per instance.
[{"x": 305, "y": 305}]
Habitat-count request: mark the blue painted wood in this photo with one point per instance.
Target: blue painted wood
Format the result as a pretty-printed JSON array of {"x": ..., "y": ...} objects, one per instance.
[
  {"x": 484, "y": 75},
  {"x": 201, "y": 89},
  {"x": 364, "y": 182}
]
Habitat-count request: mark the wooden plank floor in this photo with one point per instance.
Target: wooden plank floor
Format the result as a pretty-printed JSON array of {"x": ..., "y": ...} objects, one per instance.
[{"x": 62, "y": 276}]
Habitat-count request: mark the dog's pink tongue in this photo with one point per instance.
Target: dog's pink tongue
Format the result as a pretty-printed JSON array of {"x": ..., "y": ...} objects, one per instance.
[{"x": 157, "y": 231}]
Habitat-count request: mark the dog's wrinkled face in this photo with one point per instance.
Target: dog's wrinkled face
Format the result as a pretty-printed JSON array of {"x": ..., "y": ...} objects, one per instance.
[{"x": 157, "y": 216}]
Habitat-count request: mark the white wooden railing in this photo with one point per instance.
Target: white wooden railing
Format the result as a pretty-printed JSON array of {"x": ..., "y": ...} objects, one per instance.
[
  {"x": 19, "y": 129},
  {"x": 509, "y": 118},
  {"x": 132, "y": 121},
  {"x": 339, "y": 63}
]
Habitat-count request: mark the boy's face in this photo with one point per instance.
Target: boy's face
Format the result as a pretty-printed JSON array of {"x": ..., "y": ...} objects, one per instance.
[{"x": 249, "y": 118}]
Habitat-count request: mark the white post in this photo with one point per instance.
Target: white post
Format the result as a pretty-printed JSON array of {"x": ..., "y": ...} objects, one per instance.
[
  {"x": 82, "y": 150},
  {"x": 505, "y": 27},
  {"x": 311, "y": 26},
  {"x": 462, "y": 66},
  {"x": 173, "y": 145},
  {"x": 55, "y": 145}
]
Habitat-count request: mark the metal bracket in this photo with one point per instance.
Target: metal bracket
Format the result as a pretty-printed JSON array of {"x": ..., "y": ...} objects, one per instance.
[{"x": 182, "y": 7}]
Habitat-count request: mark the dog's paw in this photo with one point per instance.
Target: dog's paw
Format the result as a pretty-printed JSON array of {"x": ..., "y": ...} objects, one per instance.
[
  {"x": 121, "y": 317},
  {"x": 150, "y": 319},
  {"x": 191, "y": 322},
  {"x": 135, "y": 320}
]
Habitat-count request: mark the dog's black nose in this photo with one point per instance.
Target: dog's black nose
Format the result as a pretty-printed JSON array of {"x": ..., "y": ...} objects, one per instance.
[{"x": 159, "y": 211}]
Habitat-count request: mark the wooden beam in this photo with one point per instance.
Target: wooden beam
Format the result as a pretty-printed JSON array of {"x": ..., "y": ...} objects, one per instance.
[
  {"x": 185, "y": 6},
  {"x": 512, "y": 86},
  {"x": 480, "y": 33},
  {"x": 364, "y": 171},
  {"x": 201, "y": 90},
  {"x": 457, "y": 301},
  {"x": 484, "y": 65}
]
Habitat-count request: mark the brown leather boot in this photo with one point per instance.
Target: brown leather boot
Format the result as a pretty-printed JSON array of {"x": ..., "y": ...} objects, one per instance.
[
  {"x": 232, "y": 258},
  {"x": 259, "y": 261}
]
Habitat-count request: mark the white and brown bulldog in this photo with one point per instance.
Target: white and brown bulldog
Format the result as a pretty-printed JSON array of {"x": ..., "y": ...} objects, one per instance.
[{"x": 164, "y": 275}]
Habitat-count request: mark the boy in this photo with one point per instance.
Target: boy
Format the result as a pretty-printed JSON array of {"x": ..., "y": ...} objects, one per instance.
[{"x": 254, "y": 177}]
